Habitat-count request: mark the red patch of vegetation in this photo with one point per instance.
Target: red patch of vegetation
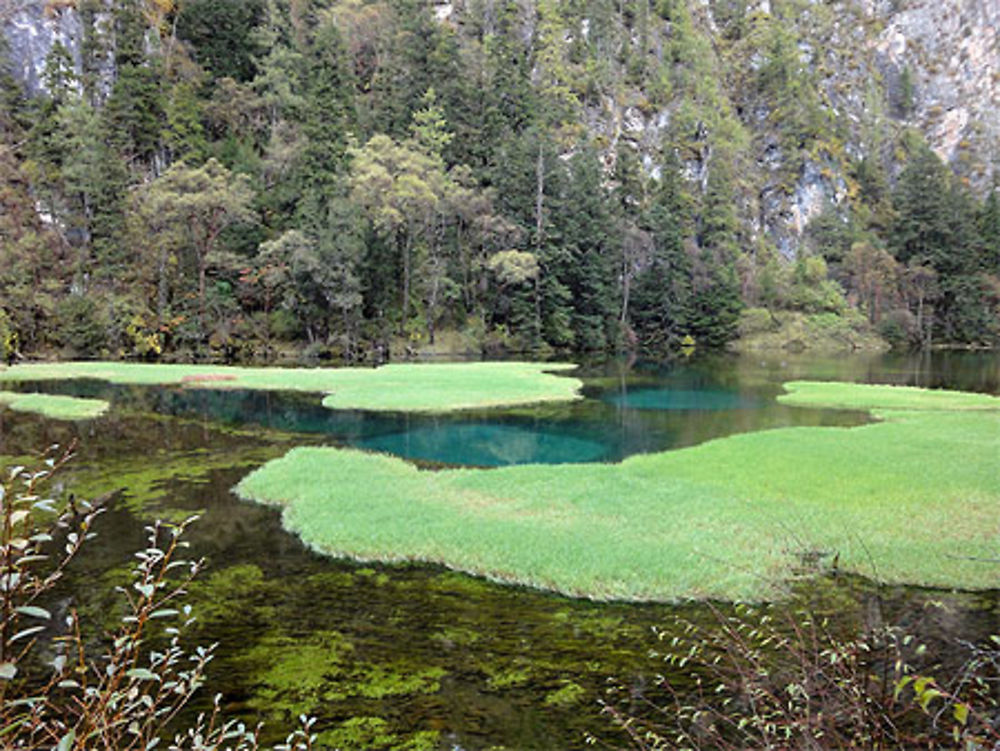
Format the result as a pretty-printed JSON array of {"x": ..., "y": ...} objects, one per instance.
[{"x": 207, "y": 378}]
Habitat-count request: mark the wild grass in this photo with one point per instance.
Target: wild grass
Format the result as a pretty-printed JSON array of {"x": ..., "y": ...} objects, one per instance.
[
  {"x": 849, "y": 396},
  {"x": 914, "y": 498},
  {"x": 54, "y": 406},
  {"x": 409, "y": 387}
]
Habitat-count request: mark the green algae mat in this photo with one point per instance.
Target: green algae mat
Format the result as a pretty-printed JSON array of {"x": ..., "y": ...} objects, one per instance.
[
  {"x": 913, "y": 498},
  {"x": 54, "y": 406},
  {"x": 407, "y": 387}
]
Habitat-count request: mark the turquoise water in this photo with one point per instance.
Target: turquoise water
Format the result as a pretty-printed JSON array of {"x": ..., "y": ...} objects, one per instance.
[
  {"x": 627, "y": 410},
  {"x": 485, "y": 445},
  {"x": 413, "y": 656},
  {"x": 683, "y": 399}
]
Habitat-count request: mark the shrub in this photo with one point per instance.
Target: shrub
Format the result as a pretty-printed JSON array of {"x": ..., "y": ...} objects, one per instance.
[
  {"x": 758, "y": 680},
  {"x": 80, "y": 325},
  {"x": 127, "y": 693},
  {"x": 8, "y": 339},
  {"x": 899, "y": 328},
  {"x": 756, "y": 321}
]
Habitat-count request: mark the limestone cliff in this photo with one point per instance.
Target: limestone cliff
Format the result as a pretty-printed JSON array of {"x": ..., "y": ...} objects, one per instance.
[{"x": 693, "y": 77}]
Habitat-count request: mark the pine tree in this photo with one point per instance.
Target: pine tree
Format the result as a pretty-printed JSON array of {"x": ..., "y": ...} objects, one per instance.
[
  {"x": 220, "y": 34},
  {"x": 327, "y": 112},
  {"x": 921, "y": 200},
  {"x": 135, "y": 110},
  {"x": 586, "y": 232},
  {"x": 661, "y": 311},
  {"x": 715, "y": 301},
  {"x": 989, "y": 228},
  {"x": 936, "y": 226}
]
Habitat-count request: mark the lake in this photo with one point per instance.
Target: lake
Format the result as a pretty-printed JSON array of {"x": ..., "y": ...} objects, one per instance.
[{"x": 414, "y": 656}]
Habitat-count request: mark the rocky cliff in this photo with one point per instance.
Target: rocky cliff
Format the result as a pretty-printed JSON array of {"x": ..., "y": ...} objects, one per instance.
[
  {"x": 785, "y": 94},
  {"x": 32, "y": 29}
]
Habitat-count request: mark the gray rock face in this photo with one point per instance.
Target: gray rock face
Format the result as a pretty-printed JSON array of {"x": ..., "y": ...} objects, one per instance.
[
  {"x": 32, "y": 28},
  {"x": 949, "y": 50}
]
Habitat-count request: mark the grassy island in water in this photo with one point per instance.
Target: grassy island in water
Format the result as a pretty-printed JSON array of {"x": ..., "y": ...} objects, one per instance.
[
  {"x": 405, "y": 387},
  {"x": 54, "y": 406},
  {"x": 912, "y": 498}
]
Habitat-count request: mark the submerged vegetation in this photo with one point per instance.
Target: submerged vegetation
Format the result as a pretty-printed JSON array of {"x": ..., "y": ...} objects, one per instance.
[
  {"x": 416, "y": 657},
  {"x": 55, "y": 406},
  {"x": 235, "y": 179},
  {"x": 359, "y": 181},
  {"x": 732, "y": 518},
  {"x": 65, "y": 687},
  {"x": 398, "y": 387}
]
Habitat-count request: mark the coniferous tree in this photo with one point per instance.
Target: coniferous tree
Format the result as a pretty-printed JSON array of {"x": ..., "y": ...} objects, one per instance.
[
  {"x": 661, "y": 314},
  {"x": 135, "y": 109},
  {"x": 989, "y": 227},
  {"x": 715, "y": 301},
  {"x": 220, "y": 35},
  {"x": 586, "y": 233},
  {"x": 937, "y": 227}
]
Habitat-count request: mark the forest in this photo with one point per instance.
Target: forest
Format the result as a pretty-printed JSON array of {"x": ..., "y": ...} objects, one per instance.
[
  {"x": 342, "y": 179},
  {"x": 558, "y": 534}
]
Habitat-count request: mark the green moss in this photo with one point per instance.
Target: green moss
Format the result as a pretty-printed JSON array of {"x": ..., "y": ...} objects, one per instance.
[
  {"x": 731, "y": 518},
  {"x": 54, "y": 406},
  {"x": 297, "y": 672},
  {"x": 301, "y": 675},
  {"x": 375, "y": 681},
  {"x": 358, "y": 733},
  {"x": 761, "y": 331},
  {"x": 404, "y": 387},
  {"x": 223, "y": 595},
  {"x": 372, "y": 734},
  {"x": 510, "y": 678},
  {"x": 568, "y": 695},
  {"x": 146, "y": 481},
  {"x": 331, "y": 580},
  {"x": 462, "y": 637}
]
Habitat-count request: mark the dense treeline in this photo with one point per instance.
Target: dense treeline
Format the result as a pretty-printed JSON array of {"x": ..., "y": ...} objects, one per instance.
[{"x": 232, "y": 177}]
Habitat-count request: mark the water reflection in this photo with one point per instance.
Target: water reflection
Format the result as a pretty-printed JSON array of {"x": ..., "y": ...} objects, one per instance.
[
  {"x": 508, "y": 658},
  {"x": 679, "y": 399},
  {"x": 485, "y": 445}
]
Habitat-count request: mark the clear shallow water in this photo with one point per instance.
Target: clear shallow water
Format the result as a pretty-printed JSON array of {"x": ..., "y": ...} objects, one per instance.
[
  {"x": 416, "y": 653},
  {"x": 682, "y": 399},
  {"x": 627, "y": 410},
  {"x": 485, "y": 445}
]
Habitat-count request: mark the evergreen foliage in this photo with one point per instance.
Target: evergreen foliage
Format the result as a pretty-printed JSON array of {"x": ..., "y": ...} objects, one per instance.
[{"x": 373, "y": 175}]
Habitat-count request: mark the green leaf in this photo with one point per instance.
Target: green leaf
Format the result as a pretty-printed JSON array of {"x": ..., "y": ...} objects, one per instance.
[
  {"x": 33, "y": 612},
  {"x": 67, "y": 741},
  {"x": 146, "y": 590},
  {"x": 27, "y": 632},
  {"x": 7, "y": 671},
  {"x": 927, "y": 697},
  {"x": 142, "y": 674},
  {"x": 900, "y": 685},
  {"x": 961, "y": 713}
]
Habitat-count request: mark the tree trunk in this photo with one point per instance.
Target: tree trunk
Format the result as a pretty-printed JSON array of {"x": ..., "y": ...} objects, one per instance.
[
  {"x": 161, "y": 291},
  {"x": 539, "y": 196},
  {"x": 202, "y": 266},
  {"x": 626, "y": 287},
  {"x": 406, "y": 283}
]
